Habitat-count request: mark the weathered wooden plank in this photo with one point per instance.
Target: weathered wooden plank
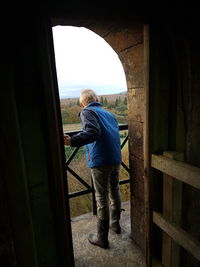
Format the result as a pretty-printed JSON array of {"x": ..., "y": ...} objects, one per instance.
[
  {"x": 180, "y": 170},
  {"x": 178, "y": 234},
  {"x": 172, "y": 206},
  {"x": 167, "y": 211},
  {"x": 176, "y": 218}
]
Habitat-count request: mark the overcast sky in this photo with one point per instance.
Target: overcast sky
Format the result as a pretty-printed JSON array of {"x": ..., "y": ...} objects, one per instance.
[{"x": 85, "y": 60}]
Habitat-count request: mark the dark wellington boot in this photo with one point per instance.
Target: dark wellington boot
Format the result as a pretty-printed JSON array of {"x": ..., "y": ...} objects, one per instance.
[
  {"x": 115, "y": 217},
  {"x": 101, "y": 238}
]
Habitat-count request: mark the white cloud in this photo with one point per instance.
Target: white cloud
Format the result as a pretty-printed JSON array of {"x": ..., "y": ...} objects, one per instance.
[{"x": 85, "y": 60}]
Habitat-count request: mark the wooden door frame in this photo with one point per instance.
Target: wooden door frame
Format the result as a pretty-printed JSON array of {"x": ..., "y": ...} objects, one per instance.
[{"x": 58, "y": 175}]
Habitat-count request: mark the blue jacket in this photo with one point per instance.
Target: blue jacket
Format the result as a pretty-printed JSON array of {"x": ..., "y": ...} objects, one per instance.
[{"x": 100, "y": 136}]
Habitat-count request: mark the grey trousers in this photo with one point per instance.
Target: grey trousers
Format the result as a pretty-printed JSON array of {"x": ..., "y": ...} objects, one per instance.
[{"x": 106, "y": 185}]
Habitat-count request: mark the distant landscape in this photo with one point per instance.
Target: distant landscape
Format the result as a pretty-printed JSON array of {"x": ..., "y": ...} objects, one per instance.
[
  {"x": 70, "y": 107},
  {"x": 115, "y": 103}
]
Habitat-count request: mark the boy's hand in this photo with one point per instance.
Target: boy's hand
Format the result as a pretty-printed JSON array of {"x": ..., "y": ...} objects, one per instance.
[{"x": 67, "y": 140}]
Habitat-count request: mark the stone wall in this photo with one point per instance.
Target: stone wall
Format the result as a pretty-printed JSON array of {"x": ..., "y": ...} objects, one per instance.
[{"x": 132, "y": 58}]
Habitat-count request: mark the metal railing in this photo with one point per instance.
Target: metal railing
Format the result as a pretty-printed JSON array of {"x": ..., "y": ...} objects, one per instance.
[{"x": 89, "y": 188}]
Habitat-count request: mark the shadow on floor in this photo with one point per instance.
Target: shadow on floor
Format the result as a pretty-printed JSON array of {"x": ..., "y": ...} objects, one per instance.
[{"x": 123, "y": 252}]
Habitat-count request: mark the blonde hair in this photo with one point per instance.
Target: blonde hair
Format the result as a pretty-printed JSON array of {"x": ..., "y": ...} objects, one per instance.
[{"x": 88, "y": 96}]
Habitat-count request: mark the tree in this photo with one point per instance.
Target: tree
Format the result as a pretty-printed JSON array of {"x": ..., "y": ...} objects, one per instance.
[{"x": 125, "y": 101}]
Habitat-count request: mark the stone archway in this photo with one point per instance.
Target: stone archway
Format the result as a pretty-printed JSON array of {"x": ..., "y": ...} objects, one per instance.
[{"x": 127, "y": 41}]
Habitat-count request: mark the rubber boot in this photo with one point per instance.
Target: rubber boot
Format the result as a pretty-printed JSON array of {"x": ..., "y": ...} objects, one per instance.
[
  {"x": 115, "y": 217},
  {"x": 101, "y": 238}
]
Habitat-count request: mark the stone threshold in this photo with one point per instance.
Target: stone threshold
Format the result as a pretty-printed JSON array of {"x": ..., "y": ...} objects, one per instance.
[{"x": 123, "y": 251}]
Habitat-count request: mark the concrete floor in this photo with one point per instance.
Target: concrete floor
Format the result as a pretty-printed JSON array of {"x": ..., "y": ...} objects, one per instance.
[{"x": 123, "y": 252}]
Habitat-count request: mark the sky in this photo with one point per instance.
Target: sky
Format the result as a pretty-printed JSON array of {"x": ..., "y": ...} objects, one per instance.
[{"x": 86, "y": 60}]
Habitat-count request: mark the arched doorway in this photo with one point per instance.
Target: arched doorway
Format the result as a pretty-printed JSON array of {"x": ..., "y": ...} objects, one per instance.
[
  {"x": 127, "y": 40},
  {"x": 86, "y": 60}
]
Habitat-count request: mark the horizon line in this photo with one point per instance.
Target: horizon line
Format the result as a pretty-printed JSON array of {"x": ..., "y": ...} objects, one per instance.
[{"x": 71, "y": 97}]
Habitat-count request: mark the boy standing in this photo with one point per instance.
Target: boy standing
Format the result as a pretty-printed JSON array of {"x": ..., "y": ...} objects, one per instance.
[{"x": 101, "y": 138}]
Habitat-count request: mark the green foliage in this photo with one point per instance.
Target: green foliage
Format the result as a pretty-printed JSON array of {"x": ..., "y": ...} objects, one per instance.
[
  {"x": 79, "y": 154},
  {"x": 125, "y": 101},
  {"x": 123, "y": 134},
  {"x": 70, "y": 114},
  {"x": 104, "y": 101},
  {"x": 118, "y": 101},
  {"x": 65, "y": 116},
  {"x": 71, "y": 108},
  {"x": 122, "y": 108},
  {"x": 111, "y": 106}
]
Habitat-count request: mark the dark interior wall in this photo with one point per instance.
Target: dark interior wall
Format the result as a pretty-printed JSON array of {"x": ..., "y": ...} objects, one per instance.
[
  {"x": 191, "y": 105},
  {"x": 29, "y": 98},
  {"x": 31, "y": 163},
  {"x": 7, "y": 250},
  {"x": 174, "y": 111},
  {"x": 187, "y": 127},
  {"x": 162, "y": 111},
  {"x": 13, "y": 178}
]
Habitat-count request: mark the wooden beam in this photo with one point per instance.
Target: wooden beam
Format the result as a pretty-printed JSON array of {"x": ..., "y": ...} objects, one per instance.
[
  {"x": 172, "y": 206},
  {"x": 178, "y": 234},
  {"x": 180, "y": 170}
]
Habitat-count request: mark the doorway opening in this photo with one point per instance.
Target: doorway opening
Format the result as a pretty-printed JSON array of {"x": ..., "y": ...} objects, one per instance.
[
  {"x": 126, "y": 39},
  {"x": 86, "y": 60}
]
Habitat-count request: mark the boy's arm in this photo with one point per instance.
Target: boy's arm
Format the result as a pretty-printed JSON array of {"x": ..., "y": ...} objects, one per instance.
[{"x": 91, "y": 131}]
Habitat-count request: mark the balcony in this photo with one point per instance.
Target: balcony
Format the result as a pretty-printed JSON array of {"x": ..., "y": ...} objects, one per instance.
[{"x": 123, "y": 252}]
